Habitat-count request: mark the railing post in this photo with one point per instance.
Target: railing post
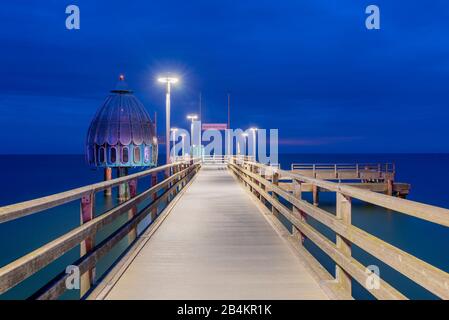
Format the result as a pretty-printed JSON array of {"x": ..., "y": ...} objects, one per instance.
[
  {"x": 297, "y": 193},
  {"x": 87, "y": 214},
  {"x": 170, "y": 184},
  {"x": 132, "y": 185},
  {"x": 180, "y": 186},
  {"x": 183, "y": 167},
  {"x": 275, "y": 181},
  {"x": 343, "y": 245},
  {"x": 107, "y": 177},
  {"x": 153, "y": 183},
  {"x": 261, "y": 185},
  {"x": 123, "y": 190},
  {"x": 316, "y": 195},
  {"x": 390, "y": 187},
  {"x": 256, "y": 182},
  {"x": 250, "y": 168}
]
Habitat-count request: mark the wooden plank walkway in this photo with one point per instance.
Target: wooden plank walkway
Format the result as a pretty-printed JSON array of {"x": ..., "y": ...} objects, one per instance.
[{"x": 215, "y": 244}]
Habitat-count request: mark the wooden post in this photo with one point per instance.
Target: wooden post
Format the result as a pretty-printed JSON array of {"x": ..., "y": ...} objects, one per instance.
[
  {"x": 250, "y": 168},
  {"x": 343, "y": 245},
  {"x": 179, "y": 187},
  {"x": 275, "y": 181},
  {"x": 297, "y": 193},
  {"x": 316, "y": 195},
  {"x": 173, "y": 192},
  {"x": 87, "y": 214},
  {"x": 123, "y": 189},
  {"x": 262, "y": 186},
  {"x": 107, "y": 177},
  {"x": 390, "y": 185},
  {"x": 132, "y": 185},
  {"x": 153, "y": 183},
  {"x": 256, "y": 171}
]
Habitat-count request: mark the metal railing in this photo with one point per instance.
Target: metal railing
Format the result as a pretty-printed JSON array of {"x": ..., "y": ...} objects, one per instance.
[{"x": 384, "y": 171}]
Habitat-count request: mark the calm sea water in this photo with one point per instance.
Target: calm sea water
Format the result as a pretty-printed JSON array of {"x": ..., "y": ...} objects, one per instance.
[{"x": 29, "y": 176}]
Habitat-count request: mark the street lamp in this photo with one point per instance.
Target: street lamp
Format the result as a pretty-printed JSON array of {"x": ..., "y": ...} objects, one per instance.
[
  {"x": 253, "y": 129},
  {"x": 192, "y": 117},
  {"x": 174, "y": 143},
  {"x": 168, "y": 81},
  {"x": 245, "y": 135}
]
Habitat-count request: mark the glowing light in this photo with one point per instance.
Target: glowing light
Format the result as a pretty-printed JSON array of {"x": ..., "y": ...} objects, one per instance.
[
  {"x": 192, "y": 117},
  {"x": 168, "y": 79}
]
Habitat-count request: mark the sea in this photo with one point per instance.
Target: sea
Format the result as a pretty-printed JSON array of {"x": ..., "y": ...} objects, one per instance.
[{"x": 26, "y": 177}]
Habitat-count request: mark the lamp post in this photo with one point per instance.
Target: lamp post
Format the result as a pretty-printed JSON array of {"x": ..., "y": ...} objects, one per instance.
[
  {"x": 174, "y": 143},
  {"x": 253, "y": 129},
  {"x": 192, "y": 117},
  {"x": 168, "y": 81},
  {"x": 183, "y": 136},
  {"x": 244, "y": 135}
]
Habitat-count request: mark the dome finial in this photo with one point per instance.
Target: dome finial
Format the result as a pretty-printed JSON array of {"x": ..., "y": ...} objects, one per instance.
[{"x": 122, "y": 86}]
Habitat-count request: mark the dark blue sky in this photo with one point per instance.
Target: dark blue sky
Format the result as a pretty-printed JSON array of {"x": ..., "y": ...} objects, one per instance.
[{"x": 309, "y": 68}]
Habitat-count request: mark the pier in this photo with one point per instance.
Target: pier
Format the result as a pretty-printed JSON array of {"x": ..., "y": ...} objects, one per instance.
[
  {"x": 377, "y": 177},
  {"x": 229, "y": 228}
]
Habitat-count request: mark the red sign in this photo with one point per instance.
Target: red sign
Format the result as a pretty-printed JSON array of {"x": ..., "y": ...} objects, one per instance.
[{"x": 214, "y": 126}]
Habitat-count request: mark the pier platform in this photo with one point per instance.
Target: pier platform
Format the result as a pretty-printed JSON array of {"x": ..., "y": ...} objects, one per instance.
[
  {"x": 225, "y": 228},
  {"x": 218, "y": 246}
]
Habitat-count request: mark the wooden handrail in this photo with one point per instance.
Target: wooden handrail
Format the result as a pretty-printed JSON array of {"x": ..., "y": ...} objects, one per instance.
[
  {"x": 412, "y": 208},
  {"x": 22, "y": 209},
  {"x": 378, "y": 167},
  {"x": 56, "y": 287},
  {"x": 22, "y": 268},
  {"x": 420, "y": 272}
]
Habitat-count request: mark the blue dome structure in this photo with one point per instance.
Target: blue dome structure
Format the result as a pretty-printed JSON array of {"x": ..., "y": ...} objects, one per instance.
[{"x": 122, "y": 134}]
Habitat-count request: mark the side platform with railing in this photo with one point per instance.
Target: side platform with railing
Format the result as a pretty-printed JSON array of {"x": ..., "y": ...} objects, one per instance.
[{"x": 377, "y": 177}]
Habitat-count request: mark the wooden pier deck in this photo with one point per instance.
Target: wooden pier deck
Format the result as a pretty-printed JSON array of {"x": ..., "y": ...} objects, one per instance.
[
  {"x": 215, "y": 247},
  {"x": 230, "y": 228}
]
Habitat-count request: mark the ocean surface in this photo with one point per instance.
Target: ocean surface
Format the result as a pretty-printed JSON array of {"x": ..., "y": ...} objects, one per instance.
[{"x": 26, "y": 177}]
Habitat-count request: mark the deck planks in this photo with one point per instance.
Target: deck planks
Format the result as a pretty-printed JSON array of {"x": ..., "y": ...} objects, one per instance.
[{"x": 216, "y": 244}]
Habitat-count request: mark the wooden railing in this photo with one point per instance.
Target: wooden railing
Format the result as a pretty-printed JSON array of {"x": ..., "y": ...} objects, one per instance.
[
  {"x": 177, "y": 175},
  {"x": 214, "y": 159},
  {"x": 263, "y": 182},
  {"x": 362, "y": 171}
]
